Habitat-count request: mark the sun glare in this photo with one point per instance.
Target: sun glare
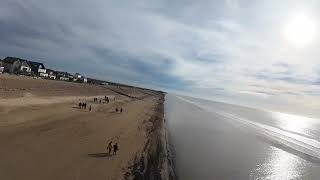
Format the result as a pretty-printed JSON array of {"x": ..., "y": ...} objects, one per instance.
[{"x": 300, "y": 30}]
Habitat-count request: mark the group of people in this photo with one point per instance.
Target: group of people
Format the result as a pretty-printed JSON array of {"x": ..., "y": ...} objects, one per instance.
[
  {"x": 106, "y": 100},
  {"x": 113, "y": 147},
  {"x": 120, "y": 110},
  {"x": 83, "y": 105}
]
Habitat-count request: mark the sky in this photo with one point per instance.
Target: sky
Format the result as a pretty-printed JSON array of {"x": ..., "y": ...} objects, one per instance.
[{"x": 242, "y": 52}]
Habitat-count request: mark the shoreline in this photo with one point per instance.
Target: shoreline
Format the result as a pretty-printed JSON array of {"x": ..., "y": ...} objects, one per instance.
[{"x": 155, "y": 162}]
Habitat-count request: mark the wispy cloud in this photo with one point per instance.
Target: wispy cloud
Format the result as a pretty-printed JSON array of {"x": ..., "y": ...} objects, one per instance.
[{"x": 228, "y": 50}]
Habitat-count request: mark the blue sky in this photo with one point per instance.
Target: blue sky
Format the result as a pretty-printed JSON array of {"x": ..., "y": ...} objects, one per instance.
[{"x": 226, "y": 50}]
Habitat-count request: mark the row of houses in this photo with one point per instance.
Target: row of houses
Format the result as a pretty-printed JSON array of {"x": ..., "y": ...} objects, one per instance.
[{"x": 13, "y": 65}]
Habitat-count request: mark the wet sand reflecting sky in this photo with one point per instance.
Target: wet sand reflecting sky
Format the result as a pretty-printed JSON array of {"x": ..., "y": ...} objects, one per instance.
[{"x": 209, "y": 146}]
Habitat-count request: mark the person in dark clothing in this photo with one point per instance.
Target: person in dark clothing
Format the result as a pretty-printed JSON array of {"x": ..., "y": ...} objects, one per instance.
[
  {"x": 115, "y": 148},
  {"x": 85, "y": 105},
  {"x": 90, "y": 108},
  {"x": 116, "y": 109},
  {"x": 100, "y": 101},
  {"x": 121, "y": 110},
  {"x": 109, "y": 147},
  {"x": 80, "y": 104}
]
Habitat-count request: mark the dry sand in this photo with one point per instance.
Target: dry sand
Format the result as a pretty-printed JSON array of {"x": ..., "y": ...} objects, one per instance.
[{"x": 44, "y": 135}]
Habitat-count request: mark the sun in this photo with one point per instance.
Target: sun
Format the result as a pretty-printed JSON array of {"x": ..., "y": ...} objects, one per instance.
[{"x": 300, "y": 30}]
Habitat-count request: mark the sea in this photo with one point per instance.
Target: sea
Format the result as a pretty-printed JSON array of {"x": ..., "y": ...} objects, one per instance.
[{"x": 213, "y": 140}]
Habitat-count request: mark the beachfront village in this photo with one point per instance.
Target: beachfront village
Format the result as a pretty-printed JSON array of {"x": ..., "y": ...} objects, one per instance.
[
  {"x": 23, "y": 67},
  {"x": 18, "y": 66}
]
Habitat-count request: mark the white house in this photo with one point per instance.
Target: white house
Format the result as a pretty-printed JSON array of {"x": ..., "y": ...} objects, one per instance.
[
  {"x": 77, "y": 76},
  {"x": 25, "y": 69},
  {"x": 37, "y": 68},
  {"x": 64, "y": 78},
  {"x": 51, "y": 74},
  {"x": 1, "y": 66},
  {"x": 44, "y": 75},
  {"x": 42, "y": 70},
  {"x": 53, "y": 77}
]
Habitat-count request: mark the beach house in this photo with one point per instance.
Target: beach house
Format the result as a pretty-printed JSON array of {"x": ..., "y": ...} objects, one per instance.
[
  {"x": 16, "y": 66},
  {"x": 77, "y": 77},
  {"x": 25, "y": 69},
  {"x": 51, "y": 74},
  {"x": 1, "y": 67},
  {"x": 37, "y": 68},
  {"x": 10, "y": 64},
  {"x": 63, "y": 76}
]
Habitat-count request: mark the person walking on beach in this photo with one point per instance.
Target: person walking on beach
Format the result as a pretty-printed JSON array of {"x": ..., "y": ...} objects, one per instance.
[
  {"x": 109, "y": 147},
  {"x": 115, "y": 148},
  {"x": 90, "y": 108},
  {"x": 80, "y": 104},
  {"x": 116, "y": 110},
  {"x": 100, "y": 101},
  {"x": 121, "y": 110}
]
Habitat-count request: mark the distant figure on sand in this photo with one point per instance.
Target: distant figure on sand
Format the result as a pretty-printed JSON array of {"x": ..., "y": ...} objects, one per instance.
[
  {"x": 109, "y": 147},
  {"x": 121, "y": 110},
  {"x": 90, "y": 108},
  {"x": 80, "y": 104},
  {"x": 100, "y": 101},
  {"x": 115, "y": 148},
  {"x": 116, "y": 109},
  {"x": 84, "y": 105}
]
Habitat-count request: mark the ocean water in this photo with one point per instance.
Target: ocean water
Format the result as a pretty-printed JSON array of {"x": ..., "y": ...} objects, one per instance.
[{"x": 214, "y": 140}]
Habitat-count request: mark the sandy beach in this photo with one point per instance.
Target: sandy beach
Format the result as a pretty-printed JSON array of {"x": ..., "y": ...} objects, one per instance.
[{"x": 45, "y": 135}]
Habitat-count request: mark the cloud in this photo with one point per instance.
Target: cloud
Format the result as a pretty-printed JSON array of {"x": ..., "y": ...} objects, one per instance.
[{"x": 228, "y": 50}]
